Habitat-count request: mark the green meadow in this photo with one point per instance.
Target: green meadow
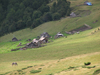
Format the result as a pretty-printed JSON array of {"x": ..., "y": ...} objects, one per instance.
[{"x": 62, "y": 56}]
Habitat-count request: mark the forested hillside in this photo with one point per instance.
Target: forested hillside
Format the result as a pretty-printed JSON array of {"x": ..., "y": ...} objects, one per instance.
[{"x": 19, "y": 14}]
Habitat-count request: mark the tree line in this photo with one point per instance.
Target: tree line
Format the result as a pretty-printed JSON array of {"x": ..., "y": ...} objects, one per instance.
[{"x": 19, "y": 14}]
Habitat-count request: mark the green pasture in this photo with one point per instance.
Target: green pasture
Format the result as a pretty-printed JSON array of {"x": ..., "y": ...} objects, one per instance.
[{"x": 76, "y": 44}]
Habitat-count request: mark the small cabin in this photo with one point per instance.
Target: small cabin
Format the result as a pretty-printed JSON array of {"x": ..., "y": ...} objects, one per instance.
[
  {"x": 58, "y": 35},
  {"x": 72, "y": 14},
  {"x": 14, "y": 39}
]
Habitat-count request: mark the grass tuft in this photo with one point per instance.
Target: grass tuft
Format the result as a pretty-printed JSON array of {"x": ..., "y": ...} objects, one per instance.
[
  {"x": 39, "y": 68},
  {"x": 19, "y": 70},
  {"x": 29, "y": 66},
  {"x": 71, "y": 67},
  {"x": 96, "y": 72},
  {"x": 23, "y": 72},
  {"x": 24, "y": 68},
  {"x": 35, "y": 71},
  {"x": 89, "y": 67}
]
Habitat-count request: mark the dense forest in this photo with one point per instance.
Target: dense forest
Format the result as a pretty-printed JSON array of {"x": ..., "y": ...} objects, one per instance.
[{"x": 19, "y": 14}]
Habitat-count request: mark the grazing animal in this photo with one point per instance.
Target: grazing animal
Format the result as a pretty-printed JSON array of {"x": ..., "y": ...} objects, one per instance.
[{"x": 14, "y": 63}]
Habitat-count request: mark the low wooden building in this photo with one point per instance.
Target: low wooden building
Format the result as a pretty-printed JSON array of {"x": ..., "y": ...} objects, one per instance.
[{"x": 14, "y": 39}]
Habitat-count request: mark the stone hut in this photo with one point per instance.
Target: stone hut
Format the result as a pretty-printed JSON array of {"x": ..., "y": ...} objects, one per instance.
[
  {"x": 33, "y": 44},
  {"x": 45, "y": 34},
  {"x": 43, "y": 39},
  {"x": 14, "y": 39},
  {"x": 58, "y": 35},
  {"x": 72, "y": 14}
]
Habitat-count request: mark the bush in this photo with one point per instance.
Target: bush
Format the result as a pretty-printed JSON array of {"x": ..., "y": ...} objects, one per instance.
[
  {"x": 20, "y": 73},
  {"x": 39, "y": 68},
  {"x": 24, "y": 68},
  {"x": 88, "y": 63},
  {"x": 19, "y": 70},
  {"x": 88, "y": 67},
  {"x": 29, "y": 66},
  {"x": 96, "y": 72},
  {"x": 23, "y": 72},
  {"x": 71, "y": 67},
  {"x": 35, "y": 71}
]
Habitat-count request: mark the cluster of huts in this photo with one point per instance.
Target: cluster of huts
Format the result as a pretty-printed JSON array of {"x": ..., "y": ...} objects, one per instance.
[
  {"x": 37, "y": 42},
  {"x": 43, "y": 38}
]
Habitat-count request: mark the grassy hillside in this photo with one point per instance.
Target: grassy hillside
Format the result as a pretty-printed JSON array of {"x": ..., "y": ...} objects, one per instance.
[
  {"x": 63, "y": 56},
  {"x": 73, "y": 45}
]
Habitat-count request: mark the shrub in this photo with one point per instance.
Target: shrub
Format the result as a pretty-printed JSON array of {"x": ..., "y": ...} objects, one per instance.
[
  {"x": 39, "y": 68},
  {"x": 19, "y": 70},
  {"x": 24, "y": 68},
  {"x": 71, "y": 67},
  {"x": 15, "y": 73},
  {"x": 96, "y": 72},
  {"x": 19, "y": 73},
  {"x": 88, "y": 67},
  {"x": 88, "y": 63},
  {"x": 35, "y": 71},
  {"x": 23, "y": 72},
  {"x": 29, "y": 66}
]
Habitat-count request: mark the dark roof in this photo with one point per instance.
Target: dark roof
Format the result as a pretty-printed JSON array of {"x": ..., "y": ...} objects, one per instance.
[{"x": 14, "y": 39}]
